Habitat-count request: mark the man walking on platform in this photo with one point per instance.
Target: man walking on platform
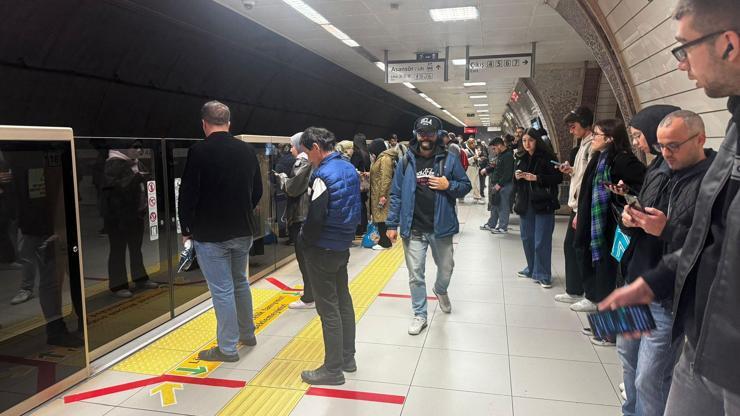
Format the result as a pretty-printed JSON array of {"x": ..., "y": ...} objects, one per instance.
[
  {"x": 327, "y": 233},
  {"x": 427, "y": 181},
  {"x": 220, "y": 188}
]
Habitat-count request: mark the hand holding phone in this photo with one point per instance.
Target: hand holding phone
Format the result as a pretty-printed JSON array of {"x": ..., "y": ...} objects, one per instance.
[{"x": 634, "y": 202}]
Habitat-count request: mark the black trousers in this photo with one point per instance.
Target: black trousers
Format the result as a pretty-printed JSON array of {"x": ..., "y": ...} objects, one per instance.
[
  {"x": 362, "y": 227},
  {"x": 294, "y": 230},
  {"x": 327, "y": 270},
  {"x": 573, "y": 262},
  {"x": 121, "y": 237},
  {"x": 383, "y": 241},
  {"x": 482, "y": 183},
  {"x": 599, "y": 279}
]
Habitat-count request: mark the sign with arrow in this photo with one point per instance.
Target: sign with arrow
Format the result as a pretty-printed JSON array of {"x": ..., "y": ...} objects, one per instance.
[
  {"x": 486, "y": 68},
  {"x": 166, "y": 392},
  {"x": 192, "y": 371},
  {"x": 416, "y": 71}
]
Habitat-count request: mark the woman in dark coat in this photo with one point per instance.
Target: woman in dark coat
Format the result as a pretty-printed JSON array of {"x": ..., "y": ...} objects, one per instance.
[
  {"x": 599, "y": 209},
  {"x": 536, "y": 202},
  {"x": 361, "y": 161}
]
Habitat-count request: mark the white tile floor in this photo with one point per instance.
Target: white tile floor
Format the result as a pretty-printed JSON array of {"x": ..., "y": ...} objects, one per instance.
[{"x": 506, "y": 349}]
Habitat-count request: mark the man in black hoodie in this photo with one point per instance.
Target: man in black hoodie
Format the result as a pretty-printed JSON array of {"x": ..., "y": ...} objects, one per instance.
[
  {"x": 670, "y": 190},
  {"x": 703, "y": 275}
]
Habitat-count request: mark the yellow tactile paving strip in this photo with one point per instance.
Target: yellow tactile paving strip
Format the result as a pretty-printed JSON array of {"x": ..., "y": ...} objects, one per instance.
[
  {"x": 178, "y": 347},
  {"x": 278, "y": 387}
]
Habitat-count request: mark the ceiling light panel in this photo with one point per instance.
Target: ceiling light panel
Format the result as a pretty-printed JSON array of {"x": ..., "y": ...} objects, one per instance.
[
  {"x": 480, "y": 105},
  {"x": 307, "y": 11},
  {"x": 409, "y": 85},
  {"x": 473, "y": 84},
  {"x": 380, "y": 65},
  {"x": 473, "y": 97},
  {"x": 458, "y": 62},
  {"x": 452, "y": 14}
]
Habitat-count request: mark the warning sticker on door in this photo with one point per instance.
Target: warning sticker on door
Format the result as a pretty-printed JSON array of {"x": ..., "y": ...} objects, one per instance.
[
  {"x": 178, "y": 181},
  {"x": 151, "y": 190}
]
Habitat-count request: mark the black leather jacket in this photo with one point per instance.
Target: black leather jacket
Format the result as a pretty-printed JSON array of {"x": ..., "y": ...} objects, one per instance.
[{"x": 719, "y": 337}]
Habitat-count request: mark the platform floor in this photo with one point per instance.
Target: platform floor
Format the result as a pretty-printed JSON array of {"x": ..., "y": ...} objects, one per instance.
[{"x": 506, "y": 349}]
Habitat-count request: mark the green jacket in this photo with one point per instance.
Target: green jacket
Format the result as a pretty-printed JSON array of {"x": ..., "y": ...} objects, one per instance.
[{"x": 504, "y": 172}]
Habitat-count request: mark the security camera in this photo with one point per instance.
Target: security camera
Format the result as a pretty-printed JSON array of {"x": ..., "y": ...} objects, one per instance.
[{"x": 249, "y": 4}]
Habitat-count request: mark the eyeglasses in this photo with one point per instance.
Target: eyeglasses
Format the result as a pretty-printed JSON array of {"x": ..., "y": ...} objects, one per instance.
[
  {"x": 673, "y": 147},
  {"x": 680, "y": 51}
]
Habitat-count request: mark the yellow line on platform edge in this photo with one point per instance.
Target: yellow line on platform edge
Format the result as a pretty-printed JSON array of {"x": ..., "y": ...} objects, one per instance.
[{"x": 277, "y": 388}]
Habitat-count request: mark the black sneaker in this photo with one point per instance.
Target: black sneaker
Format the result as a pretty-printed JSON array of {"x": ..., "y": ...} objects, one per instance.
[
  {"x": 66, "y": 339},
  {"x": 215, "y": 354},
  {"x": 349, "y": 366},
  {"x": 249, "y": 341},
  {"x": 322, "y": 376}
]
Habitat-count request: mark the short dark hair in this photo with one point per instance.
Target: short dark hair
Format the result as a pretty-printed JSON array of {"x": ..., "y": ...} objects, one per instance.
[
  {"x": 497, "y": 141},
  {"x": 615, "y": 129},
  {"x": 581, "y": 115},
  {"x": 710, "y": 15},
  {"x": 508, "y": 138},
  {"x": 319, "y": 135},
  {"x": 216, "y": 113}
]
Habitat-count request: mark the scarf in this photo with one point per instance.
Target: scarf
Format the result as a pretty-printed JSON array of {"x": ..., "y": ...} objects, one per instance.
[{"x": 599, "y": 207}]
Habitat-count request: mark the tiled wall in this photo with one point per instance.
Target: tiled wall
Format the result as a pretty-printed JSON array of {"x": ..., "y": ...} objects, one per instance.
[
  {"x": 606, "y": 103},
  {"x": 644, "y": 34}
]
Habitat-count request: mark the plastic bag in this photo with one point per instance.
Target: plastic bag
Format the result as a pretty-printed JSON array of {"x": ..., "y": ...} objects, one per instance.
[{"x": 371, "y": 236}]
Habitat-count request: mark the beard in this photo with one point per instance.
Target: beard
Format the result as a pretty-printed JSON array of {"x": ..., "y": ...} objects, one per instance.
[{"x": 426, "y": 145}]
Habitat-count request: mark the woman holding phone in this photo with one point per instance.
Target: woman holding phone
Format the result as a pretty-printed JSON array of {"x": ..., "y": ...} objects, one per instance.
[
  {"x": 536, "y": 202},
  {"x": 612, "y": 162}
]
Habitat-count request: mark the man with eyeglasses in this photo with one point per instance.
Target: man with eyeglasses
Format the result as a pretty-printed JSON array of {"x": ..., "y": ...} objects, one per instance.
[{"x": 703, "y": 276}]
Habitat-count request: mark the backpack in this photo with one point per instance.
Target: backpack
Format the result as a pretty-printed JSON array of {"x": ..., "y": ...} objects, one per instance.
[{"x": 464, "y": 160}]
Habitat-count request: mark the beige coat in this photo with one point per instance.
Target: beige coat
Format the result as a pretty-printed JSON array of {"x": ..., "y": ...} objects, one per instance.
[{"x": 381, "y": 179}]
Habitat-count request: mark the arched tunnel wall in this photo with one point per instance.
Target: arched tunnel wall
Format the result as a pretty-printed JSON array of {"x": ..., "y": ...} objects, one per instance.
[{"x": 144, "y": 68}]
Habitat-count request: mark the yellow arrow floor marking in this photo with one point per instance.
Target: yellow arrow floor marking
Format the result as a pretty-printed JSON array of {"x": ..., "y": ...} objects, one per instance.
[{"x": 166, "y": 392}]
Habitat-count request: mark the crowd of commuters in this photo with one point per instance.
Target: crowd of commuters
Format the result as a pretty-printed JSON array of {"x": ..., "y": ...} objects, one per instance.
[{"x": 675, "y": 212}]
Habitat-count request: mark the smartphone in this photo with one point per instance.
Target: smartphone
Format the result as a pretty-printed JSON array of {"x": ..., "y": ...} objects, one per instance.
[
  {"x": 556, "y": 163},
  {"x": 620, "y": 321},
  {"x": 633, "y": 202}
]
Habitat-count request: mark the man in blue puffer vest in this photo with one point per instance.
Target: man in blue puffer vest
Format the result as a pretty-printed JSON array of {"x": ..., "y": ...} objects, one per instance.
[
  {"x": 325, "y": 238},
  {"x": 425, "y": 186}
]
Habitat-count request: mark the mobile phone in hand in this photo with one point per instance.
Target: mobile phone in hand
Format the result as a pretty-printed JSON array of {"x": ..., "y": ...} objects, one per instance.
[
  {"x": 621, "y": 321},
  {"x": 634, "y": 202}
]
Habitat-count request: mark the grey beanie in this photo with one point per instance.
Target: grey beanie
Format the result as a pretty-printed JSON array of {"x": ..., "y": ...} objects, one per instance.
[{"x": 295, "y": 140}]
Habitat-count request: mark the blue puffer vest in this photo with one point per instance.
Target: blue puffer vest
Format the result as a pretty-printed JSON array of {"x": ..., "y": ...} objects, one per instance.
[{"x": 344, "y": 210}]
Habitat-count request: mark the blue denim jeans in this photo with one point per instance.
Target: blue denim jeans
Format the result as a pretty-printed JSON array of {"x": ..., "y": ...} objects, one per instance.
[
  {"x": 648, "y": 366},
  {"x": 415, "y": 251},
  {"x": 224, "y": 266},
  {"x": 500, "y": 213},
  {"x": 536, "y": 232}
]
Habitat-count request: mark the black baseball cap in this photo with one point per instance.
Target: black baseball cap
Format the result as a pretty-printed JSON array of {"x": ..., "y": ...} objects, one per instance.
[{"x": 427, "y": 124}]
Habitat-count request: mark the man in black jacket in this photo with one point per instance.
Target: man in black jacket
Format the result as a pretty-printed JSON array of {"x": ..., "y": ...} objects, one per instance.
[
  {"x": 220, "y": 188},
  {"x": 502, "y": 182},
  {"x": 703, "y": 275},
  {"x": 669, "y": 195}
]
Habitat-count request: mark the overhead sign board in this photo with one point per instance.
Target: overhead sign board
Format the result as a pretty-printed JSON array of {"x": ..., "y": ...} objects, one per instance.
[
  {"x": 486, "y": 68},
  {"x": 414, "y": 71}
]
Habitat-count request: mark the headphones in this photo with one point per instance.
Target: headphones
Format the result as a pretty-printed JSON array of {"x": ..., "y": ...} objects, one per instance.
[
  {"x": 440, "y": 132},
  {"x": 727, "y": 51}
]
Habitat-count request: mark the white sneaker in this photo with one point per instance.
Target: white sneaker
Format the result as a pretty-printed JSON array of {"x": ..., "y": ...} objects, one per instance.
[
  {"x": 481, "y": 202},
  {"x": 567, "y": 298},
  {"x": 23, "y": 295},
  {"x": 584, "y": 305},
  {"x": 417, "y": 324},
  {"x": 379, "y": 247},
  {"x": 602, "y": 342},
  {"x": 588, "y": 332},
  {"x": 621, "y": 388},
  {"x": 299, "y": 304},
  {"x": 624, "y": 395},
  {"x": 444, "y": 302}
]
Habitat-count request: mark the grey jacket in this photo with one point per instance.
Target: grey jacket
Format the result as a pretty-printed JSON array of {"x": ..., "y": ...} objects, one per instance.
[
  {"x": 295, "y": 187},
  {"x": 719, "y": 339}
]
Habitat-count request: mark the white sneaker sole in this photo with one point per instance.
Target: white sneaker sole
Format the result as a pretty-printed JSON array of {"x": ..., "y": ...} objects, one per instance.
[{"x": 564, "y": 299}]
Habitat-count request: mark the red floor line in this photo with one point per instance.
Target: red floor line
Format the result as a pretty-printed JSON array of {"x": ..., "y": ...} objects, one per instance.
[
  {"x": 396, "y": 295},
  {"x": 356, "y": 395},
  {"x": 217, "y": 382},
  {"x": 280, "y": 285},
  {"x": 112, "y": 389}
]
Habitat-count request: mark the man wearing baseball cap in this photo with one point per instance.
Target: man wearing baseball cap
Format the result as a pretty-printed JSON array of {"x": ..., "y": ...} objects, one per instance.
[{"x": 427, "y": 181}]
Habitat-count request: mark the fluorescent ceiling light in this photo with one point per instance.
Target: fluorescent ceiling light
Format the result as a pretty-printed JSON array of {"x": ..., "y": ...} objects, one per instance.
[
  {"x": 482, "y": 111},
  {"x": 351, "y": 43},
  {"x": 336, "y": 32},
  {"x": 478, "y": 96},
  {"x": 409, "y": 85},
  {"x": 307, "y": 11},
  {"x": 380, "y": 65},
  {"x": 480, "y": 105},
  {"x": 473, "y": 84},
  {"x": 458, "y": 62},
  {"x": 452, "y": 14},
  {"x": 422, "y": 95}
]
